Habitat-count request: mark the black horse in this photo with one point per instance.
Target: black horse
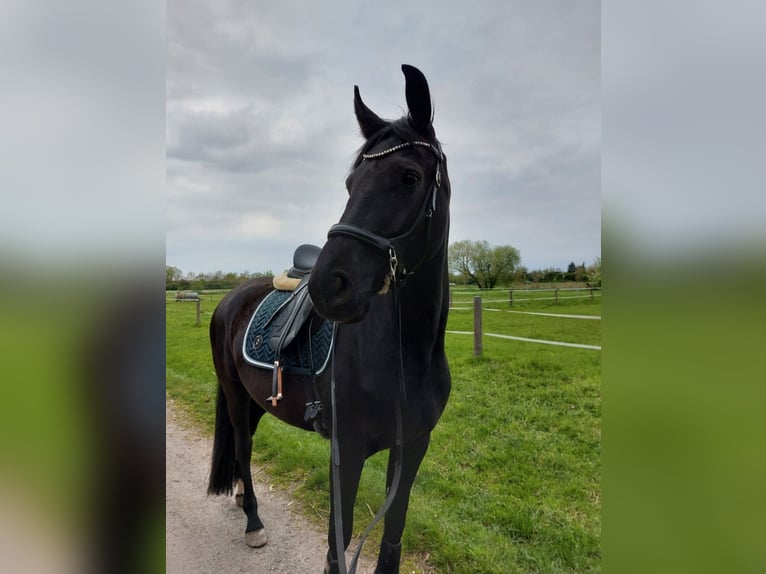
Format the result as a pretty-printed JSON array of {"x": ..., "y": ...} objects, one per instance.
[{"x": 382, "y": 278}]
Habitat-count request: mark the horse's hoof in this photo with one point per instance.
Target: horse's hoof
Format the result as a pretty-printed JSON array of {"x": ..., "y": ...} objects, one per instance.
[{"x": 256, "y": 538}]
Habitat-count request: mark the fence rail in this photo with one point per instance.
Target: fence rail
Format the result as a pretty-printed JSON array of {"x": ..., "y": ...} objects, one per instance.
[
  {"x": 555, "y": 292},
  {"x": 524, "y": 339},
  {"x": 478, "y": 333},
  {"x": 559, "y": 315}
]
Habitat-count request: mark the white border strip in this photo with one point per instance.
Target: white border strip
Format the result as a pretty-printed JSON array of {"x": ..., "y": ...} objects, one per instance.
[{"x": 542, "y": 341}]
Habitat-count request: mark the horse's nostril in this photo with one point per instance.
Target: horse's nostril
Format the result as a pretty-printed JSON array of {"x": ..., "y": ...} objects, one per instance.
[{"x": 339, "y": 283}]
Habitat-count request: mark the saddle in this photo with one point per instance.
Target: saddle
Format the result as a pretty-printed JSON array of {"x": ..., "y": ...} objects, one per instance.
[
  {"x": 291, "y": 316},
  {"x": 303, "y": 262},
  {"x": 284, "y": 335}
]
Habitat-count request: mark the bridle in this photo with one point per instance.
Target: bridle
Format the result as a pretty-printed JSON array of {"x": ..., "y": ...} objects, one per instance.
[
  {"x": 394, "y": 246},
  {"x": 399, "y": 272}
]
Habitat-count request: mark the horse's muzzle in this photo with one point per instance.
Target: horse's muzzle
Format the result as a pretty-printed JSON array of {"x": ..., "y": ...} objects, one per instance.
[{"x": 335, "y": 298}]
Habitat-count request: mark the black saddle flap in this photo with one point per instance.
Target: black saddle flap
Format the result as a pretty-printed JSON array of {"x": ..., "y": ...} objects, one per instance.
[{"x": 288, "y": 320}]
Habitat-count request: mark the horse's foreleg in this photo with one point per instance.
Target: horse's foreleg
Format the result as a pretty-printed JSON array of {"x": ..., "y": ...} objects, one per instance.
[
  {"x": 350, "y": 472},
  {"x": 241, "y": 413},
  {"x": 391, "y": 545}
]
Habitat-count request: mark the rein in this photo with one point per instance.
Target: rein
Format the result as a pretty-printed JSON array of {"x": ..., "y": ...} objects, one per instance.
[
  {"x": 340, "y": 550},
  {"x": 390, "y": 246}
]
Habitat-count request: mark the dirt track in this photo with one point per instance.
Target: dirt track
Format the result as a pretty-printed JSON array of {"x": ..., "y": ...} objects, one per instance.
[{"x": 205, "y": 534}]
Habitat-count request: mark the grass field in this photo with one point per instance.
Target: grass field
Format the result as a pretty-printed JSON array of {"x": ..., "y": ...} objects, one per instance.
[{"x": 511, "y": 482}]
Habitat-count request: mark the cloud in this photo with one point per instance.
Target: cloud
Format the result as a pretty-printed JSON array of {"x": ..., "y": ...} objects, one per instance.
[{"x": 260, "y": 118}]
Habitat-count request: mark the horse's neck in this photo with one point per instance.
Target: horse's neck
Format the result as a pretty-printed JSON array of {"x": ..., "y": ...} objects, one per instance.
[{"x": 424, "y": 298}]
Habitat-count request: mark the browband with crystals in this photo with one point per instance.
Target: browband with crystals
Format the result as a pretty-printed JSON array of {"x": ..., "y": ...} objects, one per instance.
[{"x": 401, "y": 146}]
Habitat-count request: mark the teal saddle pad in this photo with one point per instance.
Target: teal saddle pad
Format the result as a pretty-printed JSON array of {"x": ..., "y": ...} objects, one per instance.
[{"x": 307, "y": 353}]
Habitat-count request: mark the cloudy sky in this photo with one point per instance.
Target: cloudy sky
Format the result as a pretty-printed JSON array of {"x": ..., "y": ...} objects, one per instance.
[{"x": 261, "y": 132}]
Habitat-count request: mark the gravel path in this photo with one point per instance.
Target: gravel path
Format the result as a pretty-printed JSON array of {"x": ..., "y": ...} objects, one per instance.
[{"x": 206, "y": 534}]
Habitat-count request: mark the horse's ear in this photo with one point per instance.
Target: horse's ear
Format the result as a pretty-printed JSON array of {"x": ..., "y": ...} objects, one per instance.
[
  {"x": 418, "y": 99},
  {"x": 368, "y": 120}
]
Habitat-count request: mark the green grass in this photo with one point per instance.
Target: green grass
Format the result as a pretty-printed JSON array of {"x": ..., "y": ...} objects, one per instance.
[{"x": 511, "y": 482}]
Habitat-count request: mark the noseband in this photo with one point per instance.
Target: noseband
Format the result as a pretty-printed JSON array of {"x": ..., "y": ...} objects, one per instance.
[{"x": 393, "y": 246}]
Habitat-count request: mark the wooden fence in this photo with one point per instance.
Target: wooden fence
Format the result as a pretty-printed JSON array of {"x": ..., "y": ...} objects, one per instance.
[
  {"x": 521, "y": 299},
  {"x": 478, "y": 332}
]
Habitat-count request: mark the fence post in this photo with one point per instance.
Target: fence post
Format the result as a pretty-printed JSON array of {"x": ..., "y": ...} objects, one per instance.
[
  {"x": 510, "y": 297},
  {"x": 450, "y": 298},
  {"x": 557, "y": 295},
  {"x": 198, "y": 312},
  {"x": 477, "y": 327},
  {"x": 591, "y": 293}
]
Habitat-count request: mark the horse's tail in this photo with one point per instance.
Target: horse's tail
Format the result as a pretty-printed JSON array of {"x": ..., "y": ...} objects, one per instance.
[{"x": 222, "y": 469}]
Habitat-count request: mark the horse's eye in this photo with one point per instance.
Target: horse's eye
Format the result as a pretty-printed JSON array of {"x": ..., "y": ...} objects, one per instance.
[{"x": 410, "y": 177}]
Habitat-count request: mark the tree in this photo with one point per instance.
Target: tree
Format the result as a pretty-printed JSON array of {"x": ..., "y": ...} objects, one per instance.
[
  {"x": 580, "y": 273},
  {"x": 482, "y": 264},
  {"x": 172, "y": 273},
  {"x": 594, "y": 273},
  {"x": 551, "y": 275}
]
